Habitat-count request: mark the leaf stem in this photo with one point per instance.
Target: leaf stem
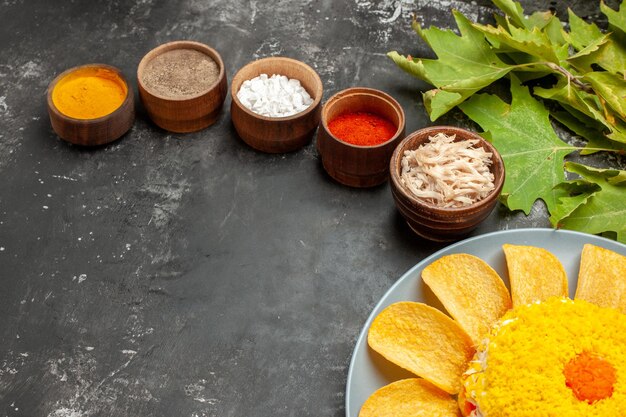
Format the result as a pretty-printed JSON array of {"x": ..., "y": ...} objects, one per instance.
[
  {"x": 555, "y": 67},
  {"x": 617, "y": 151},
  {"x": 585, "y": 87}
]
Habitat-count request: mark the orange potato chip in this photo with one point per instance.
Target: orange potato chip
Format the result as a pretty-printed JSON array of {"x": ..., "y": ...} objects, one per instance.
[
  {"x": 412, "y": 397},
  {"x": 471, "y": 291},
  {"x": 422, "y": 340},
  {"x": 602, "y": 277},
  {"x": 534, "y": 273}
]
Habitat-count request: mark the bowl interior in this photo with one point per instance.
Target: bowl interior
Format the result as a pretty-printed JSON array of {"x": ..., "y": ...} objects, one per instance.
[
  {"x": 414, "y": 140},
  {"x": 197, "y": 46},
  {"x": 288, "y": 67},
  {"x": 103, "y": 71},
  {"x": 363, "y": 100}
]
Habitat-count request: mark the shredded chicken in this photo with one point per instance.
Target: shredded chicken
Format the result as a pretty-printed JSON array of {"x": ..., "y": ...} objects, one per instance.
[{"x": 448, "y": 173}]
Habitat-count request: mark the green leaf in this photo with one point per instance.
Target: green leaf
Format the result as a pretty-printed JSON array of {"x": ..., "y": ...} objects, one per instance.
[
  {"x": 580, "y": 124},
  {"x": 609, "y": 54},
  {"x": 589, "y": 105},
  {"x": 502, "y": 20},
  {"x": 582, "y": 59},
  {"x": 573, "y": 195},
  {"x": 465, "y": 65},
  {"x": 532, "y": 152},
  {"x": 412, "y": 66},
  {"x": 533, "y": 42},
  {"x": 603, "y": 144},
  {"x": 616, "y": 133},
  {"x": 565, "y": 92},
  {"x": 439, "y": 102},
  {"x": 554, "y": 31},
  {"x": 581, "y": 33},
  {"x": 605, "y": 210},
  {"x": 589, "y": 129},
  {"x": 464, "y": 57},
  {"x": 539, "y": 20},
  {"x": 611, "y": 88},
  {"x": 514, "y": 10},
  {"x": 617, "y": 19}
]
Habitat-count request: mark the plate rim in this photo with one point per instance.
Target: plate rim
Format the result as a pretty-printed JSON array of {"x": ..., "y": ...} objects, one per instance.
[{"x": 432, "y": 257}]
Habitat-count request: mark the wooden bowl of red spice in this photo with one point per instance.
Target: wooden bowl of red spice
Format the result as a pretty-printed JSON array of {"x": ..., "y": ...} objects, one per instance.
[
  {"x": 276, "y": 134},
  {"x": 90, "y": 105},
  {"x": 445, "y": 181},
  {"x": 359, "y": 130},
  {"x": 182, "y": 85}
]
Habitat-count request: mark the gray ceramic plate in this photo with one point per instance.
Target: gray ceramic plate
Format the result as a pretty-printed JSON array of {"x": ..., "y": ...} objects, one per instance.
[{"x": 368, "y": 371}]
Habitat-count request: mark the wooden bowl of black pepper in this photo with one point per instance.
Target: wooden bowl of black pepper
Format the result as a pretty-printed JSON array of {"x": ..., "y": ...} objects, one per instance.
[
  {"x": 429, "y": 219},
  {"x": 182, "y": 85}
]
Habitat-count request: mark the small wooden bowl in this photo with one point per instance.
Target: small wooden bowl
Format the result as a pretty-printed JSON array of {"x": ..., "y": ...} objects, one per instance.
[
  {"x": 432, "y": 222},
  {"x": 353, "y": 165},
  {"x": 277, "y": 134},
  {"x": 188, "y": 113},
  {"x": 97, "y": 131}
]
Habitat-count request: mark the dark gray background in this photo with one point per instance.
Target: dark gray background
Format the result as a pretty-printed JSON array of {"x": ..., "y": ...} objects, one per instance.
[{"x": 188, "y": 275}]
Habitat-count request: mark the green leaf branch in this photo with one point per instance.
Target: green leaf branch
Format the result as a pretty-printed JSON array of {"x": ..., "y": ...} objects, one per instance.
[{"x": 587, "y": 68}]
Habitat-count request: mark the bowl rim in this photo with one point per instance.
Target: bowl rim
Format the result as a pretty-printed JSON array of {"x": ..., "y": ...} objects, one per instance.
[
  {"x": 119, "y": 110},
  {"x": 371, "y": 92},
  {"x": 474, "y": 207},
  {"x": 318, "y": 81},
  {"x": 180, "y": 44}
]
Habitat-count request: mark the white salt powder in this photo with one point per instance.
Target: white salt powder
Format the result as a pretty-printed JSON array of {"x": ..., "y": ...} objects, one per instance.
[{"x": 275, "y": 96}]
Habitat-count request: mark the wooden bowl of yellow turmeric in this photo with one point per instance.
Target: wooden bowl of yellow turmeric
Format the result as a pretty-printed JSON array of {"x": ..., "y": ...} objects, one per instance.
[{"x": 91, "y": 105}]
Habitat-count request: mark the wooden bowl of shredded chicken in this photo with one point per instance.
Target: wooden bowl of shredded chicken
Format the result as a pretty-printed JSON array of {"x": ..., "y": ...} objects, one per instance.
[{"x": 445, "y": 181}]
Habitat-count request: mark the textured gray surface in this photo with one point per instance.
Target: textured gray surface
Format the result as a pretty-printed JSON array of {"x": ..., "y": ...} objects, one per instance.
[{"x": 188, "y": 274}]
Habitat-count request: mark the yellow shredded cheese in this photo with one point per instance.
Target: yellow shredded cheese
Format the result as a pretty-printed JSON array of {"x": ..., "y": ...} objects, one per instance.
[{"x": 518, "y": 371}]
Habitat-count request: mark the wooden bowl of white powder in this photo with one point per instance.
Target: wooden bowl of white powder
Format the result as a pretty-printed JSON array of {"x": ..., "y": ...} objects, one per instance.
[
  {"x": 445, "y": 181},
  {"x": 275, "y": 104}
]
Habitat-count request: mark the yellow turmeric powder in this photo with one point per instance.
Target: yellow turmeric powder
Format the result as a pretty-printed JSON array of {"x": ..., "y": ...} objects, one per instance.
[{"x": 89, "y": 93}]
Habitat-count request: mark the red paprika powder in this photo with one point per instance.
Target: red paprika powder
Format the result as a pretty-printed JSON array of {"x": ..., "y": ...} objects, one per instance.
[{"x": 362, "y": 128}]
